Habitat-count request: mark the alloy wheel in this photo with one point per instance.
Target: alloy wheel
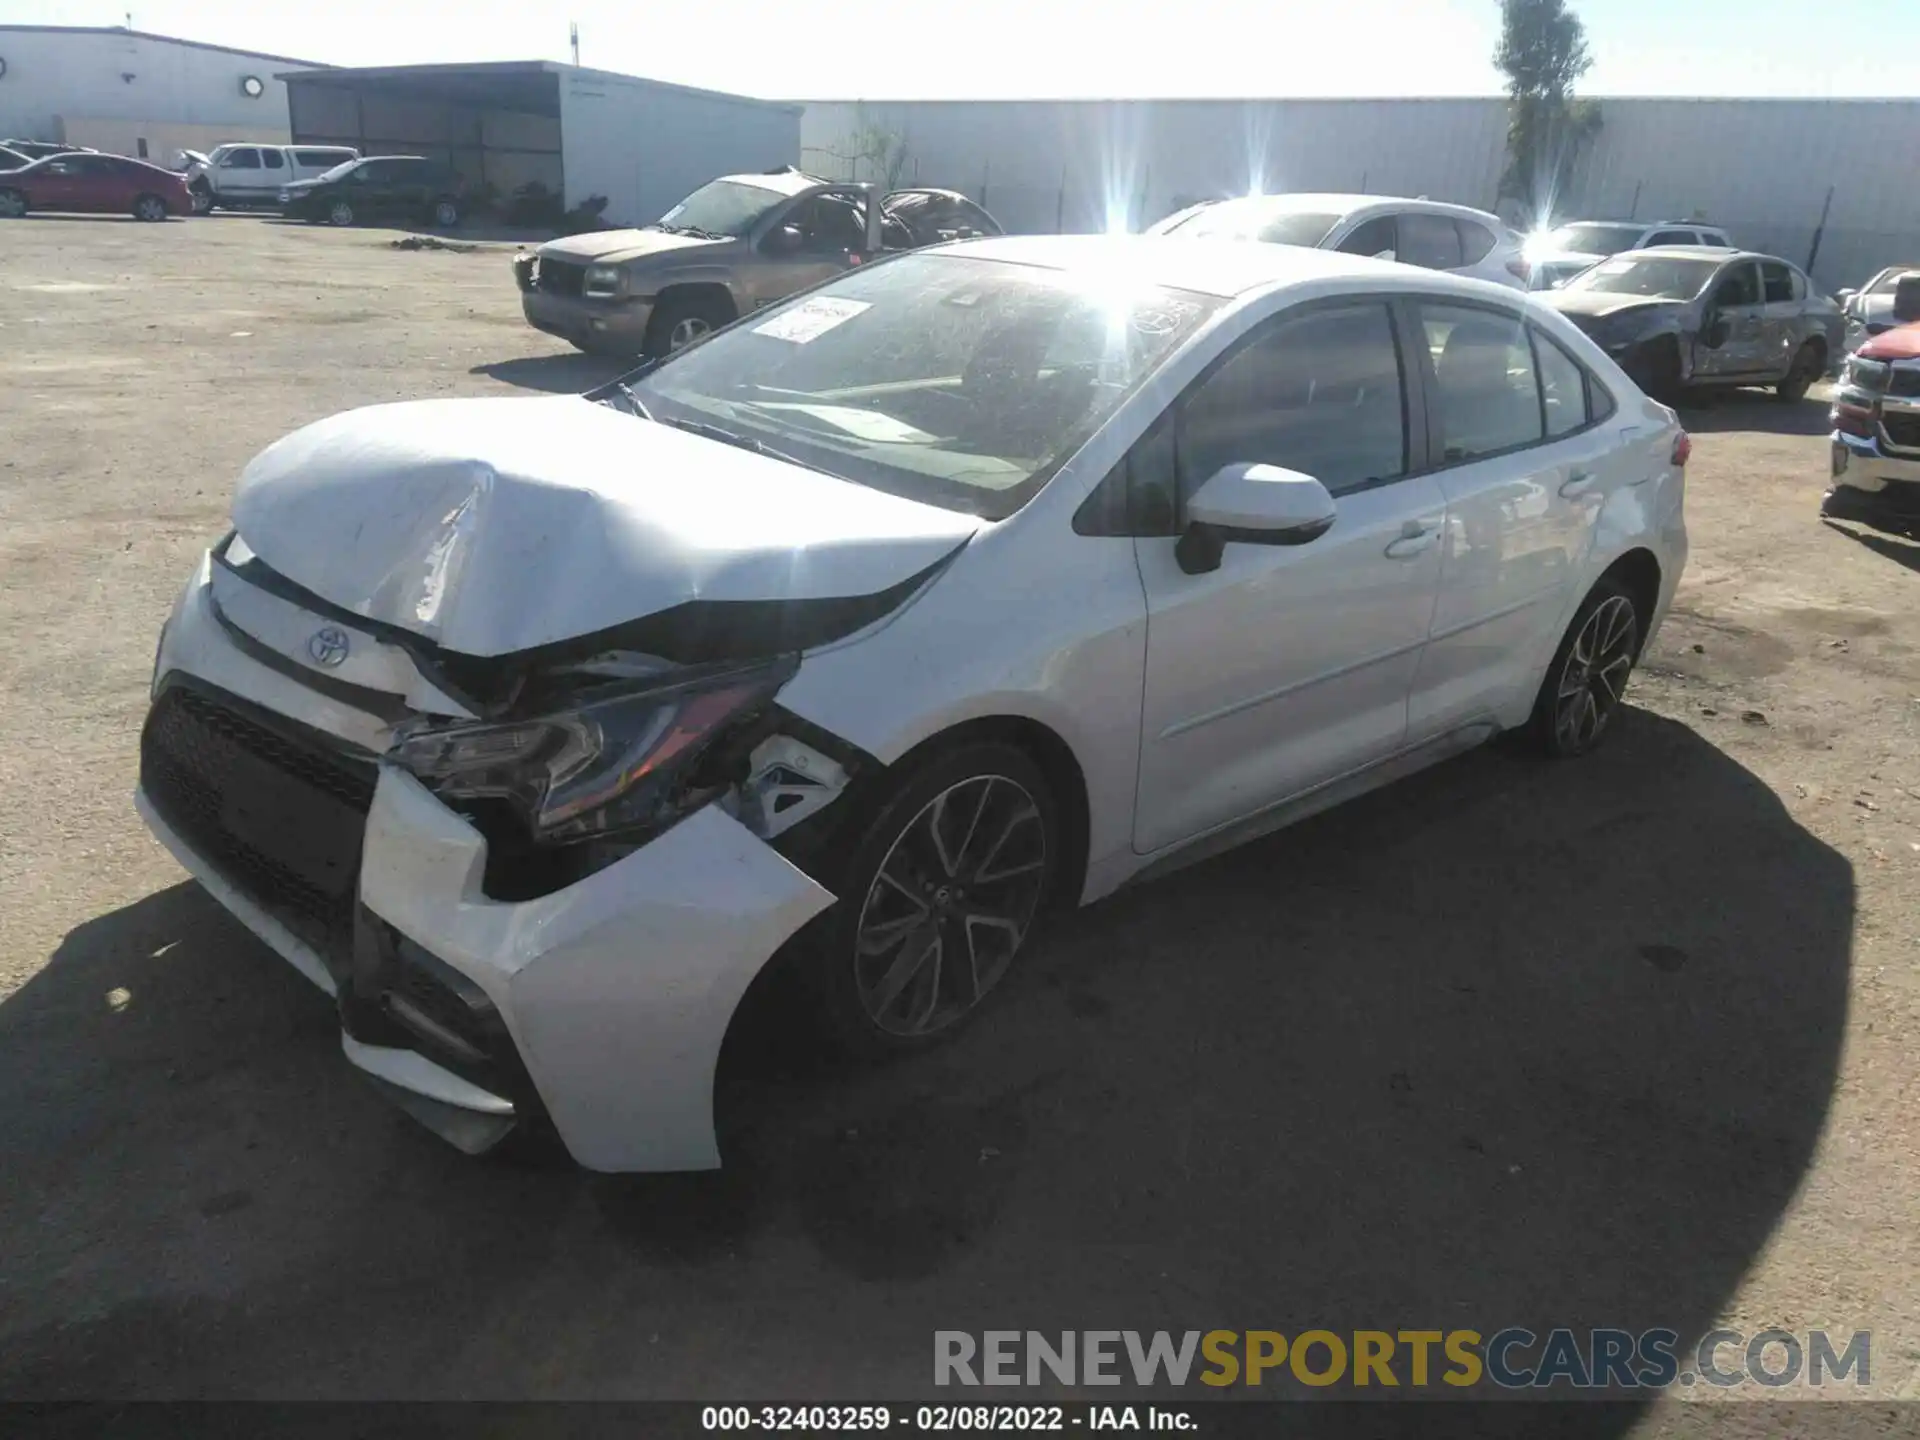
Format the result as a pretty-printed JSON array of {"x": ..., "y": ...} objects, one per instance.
[
  {"x": 341, "y": 213},
  {"x": 1595, "y": 674},
  {"x": 445, "y": 215},
  {"x": 687, "y": 330},
  {"x": 950, "y": 905},
  {"x": 150, "y": 209}
]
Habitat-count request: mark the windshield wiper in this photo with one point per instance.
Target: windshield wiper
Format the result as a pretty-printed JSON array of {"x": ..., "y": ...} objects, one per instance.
[
  {"x": 699, "y": 234},
  {"x": 627, "y": 394},
  {"x": 741, "y": 442}
]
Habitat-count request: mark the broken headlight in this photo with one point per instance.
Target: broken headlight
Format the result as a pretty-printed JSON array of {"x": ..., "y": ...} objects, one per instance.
[{"x": 620, "y": 762}]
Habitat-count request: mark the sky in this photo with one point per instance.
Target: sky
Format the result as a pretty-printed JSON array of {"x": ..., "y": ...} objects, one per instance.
[{"x": 939, "y": 49}]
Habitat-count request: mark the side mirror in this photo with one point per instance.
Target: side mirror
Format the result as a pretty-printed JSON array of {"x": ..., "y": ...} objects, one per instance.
[
  {"x": 784, "y": 240},
  {"x": 1844, "y": 298},
  {"x": 1256, "y": 504}
]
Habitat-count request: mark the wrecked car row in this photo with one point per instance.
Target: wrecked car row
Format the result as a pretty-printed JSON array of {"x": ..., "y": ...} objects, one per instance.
[
  {"x": 859, "y": 637},
  {"x": 1876, "y": 422}
]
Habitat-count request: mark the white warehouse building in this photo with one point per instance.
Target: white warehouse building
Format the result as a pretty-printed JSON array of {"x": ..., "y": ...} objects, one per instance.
[
  {"x": 1775, "y": 173},
  {"x": 133, "y": 93}
]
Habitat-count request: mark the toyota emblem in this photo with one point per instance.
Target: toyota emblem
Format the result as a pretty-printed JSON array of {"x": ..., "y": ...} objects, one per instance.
[{"x": 328, "y": 646}]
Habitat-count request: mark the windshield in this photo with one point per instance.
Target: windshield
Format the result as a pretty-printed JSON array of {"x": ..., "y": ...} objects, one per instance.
[
  {"x": 1256, "y": 220},
  {"x": 1659, "y": 279},
  {"x": 721, "y": 207},
  {"x": 956, "y": 381},
  {"x": 337, "y": 171},
  {"x": 1595, "y": 239}
]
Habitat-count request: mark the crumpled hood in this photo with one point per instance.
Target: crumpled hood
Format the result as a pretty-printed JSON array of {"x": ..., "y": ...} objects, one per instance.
[
  {"x": 616, "y": 247},
  {"x": 498, "y": 525}
]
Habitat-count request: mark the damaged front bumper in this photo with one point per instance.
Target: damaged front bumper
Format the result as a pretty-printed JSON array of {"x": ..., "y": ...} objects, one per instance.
[
  {"x": 614, "y": 325},
  {"x": 595, "y": 1012}
]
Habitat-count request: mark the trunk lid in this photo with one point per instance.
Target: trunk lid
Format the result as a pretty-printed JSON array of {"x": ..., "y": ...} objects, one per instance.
[{"x": 495, "y": 526}]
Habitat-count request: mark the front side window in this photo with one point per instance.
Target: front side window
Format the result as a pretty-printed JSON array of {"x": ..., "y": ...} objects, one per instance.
[
  {"x": 1320, "y": 393},
  {"x": 723, "y": 208},
  {"x": 832, "y": 223},
  {"x": 1374, "y": 239},
  {"x": 1777, "y": 281},
  {"x": 1429, "y": 241},
  {"x": 1486, "y": 388},
  {"x": 948, "y": 379},
  {"x": 244, "y": 159},
  {"x": 1738, "y": 286}
]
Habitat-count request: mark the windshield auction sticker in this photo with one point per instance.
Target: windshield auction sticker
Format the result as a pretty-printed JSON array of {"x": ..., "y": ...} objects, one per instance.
[{"x": 811, "y": 319}]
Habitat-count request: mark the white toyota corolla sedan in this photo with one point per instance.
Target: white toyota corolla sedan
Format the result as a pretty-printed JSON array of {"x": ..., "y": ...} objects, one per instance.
[{"x": 980, "y": 580}]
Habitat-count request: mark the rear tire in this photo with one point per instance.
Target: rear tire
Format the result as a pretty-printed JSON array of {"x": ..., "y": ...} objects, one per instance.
[
  {"x": 1583, "y": 686},
  {"x": 946, "y": 877},
  {"x": 13, "y": 203},
  {"x": 150, "y": 208},
  {"x": 340, "y": 213},
  {"x": 445, "y": 214},
  {"x": 1809, "y": 364},
  {"x": 679, "y": 320}
]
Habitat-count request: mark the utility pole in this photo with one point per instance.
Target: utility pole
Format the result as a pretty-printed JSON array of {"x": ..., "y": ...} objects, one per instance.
[{"x": 573, "y": 36}]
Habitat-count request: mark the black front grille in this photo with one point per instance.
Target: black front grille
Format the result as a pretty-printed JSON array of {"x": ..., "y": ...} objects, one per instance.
[
  {"x": 1903, "y": 430},
  {"x": 276, "y": 808},
  {"x": 1903, "y": 382},
  {"x": 559, "y": 277}
]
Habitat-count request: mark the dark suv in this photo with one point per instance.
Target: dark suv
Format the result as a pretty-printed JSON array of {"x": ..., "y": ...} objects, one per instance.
[{"x": 380, "y": 187}]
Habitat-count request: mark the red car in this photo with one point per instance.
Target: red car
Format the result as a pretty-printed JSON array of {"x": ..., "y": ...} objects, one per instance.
[{"x": 97, "y": 184}]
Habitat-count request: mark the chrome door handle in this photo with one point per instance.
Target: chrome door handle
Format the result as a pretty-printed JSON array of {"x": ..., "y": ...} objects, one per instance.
[
  {"x": 1416, "y": 537},
  {"x": 1577, "y": 483}
]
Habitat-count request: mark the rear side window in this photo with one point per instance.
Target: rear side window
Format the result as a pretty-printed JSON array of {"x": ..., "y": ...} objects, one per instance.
[
  {"x": 1429, "y": 241},
  {"x": 273, "y": 160},
  {"x": 1777, "y": 280},
  {"x": 1487, "y": 390},
  {"x": 1320, "y": 393},
  {"x": 1563, "y": 387},
  {"x": 1374, "y": 238},
  {"x": 1475, "y": 241}
]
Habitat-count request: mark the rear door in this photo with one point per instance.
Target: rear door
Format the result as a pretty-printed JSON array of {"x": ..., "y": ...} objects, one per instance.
[
  {"x": 1525, "y": 465},
  {"x": 1430, "y": 241},
  {"x": 1780, "y": 313}
]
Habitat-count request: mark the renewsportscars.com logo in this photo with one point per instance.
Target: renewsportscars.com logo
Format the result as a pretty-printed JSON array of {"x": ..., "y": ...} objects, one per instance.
[{"x": 1513, "y": 1358}]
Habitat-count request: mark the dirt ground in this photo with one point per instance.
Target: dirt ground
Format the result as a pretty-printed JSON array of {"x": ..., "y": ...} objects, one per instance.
[{"x": 1628, "y": 1042}]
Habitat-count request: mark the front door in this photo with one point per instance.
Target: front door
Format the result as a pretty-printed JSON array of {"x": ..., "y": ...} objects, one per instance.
[
  {"x": 1734, "y": 303},
  {"x": 1525, "y": 470},
  {"x": 1288, "y": 666},
  {"x": 242, "y": 176},
  {"x": 814, "y": 239}
]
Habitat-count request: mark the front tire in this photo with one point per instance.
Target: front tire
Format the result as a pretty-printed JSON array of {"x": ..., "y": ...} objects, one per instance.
[
  {"x": 1656, "y": 370},
  {"x": 150, "y": 208},
  {"x": 680, "y": 320},
  {"x": 340, "y": 213},
  {"x": 1809, "y": 364},
  {"x": 445, "y": 215},
  {"x": 13, "y": 204},
  {"x": 940, "y": 894},
  {"x": 1588, "y": 677}
]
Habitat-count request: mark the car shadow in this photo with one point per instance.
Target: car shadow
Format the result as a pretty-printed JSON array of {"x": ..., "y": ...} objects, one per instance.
[
  {"x": 555, "y": 374},
  {"x": 1711, "y": 412},
  {"x": 1510, "y": 1043},
  {"x": 1901, "y": 547}
]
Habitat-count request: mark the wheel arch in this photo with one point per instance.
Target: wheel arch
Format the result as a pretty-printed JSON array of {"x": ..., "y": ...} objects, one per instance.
[{"x": 1638, "y": 569}]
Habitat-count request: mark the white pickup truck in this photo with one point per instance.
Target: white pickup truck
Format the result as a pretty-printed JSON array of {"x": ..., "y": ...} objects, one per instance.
[{"x": 239, "y": 176}]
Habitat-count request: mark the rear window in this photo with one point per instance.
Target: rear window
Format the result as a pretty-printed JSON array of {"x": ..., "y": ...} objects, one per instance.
[{"x": 1429, "y": 241}]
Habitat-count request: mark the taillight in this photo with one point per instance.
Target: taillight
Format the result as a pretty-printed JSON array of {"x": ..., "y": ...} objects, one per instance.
[
  {"x": 1854, "y": 420},
  {"x": 1682, "y": 450}
]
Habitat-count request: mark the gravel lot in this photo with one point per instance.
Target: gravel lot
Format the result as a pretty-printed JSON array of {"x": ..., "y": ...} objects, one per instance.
[{"x": 1627, "y": 1042}]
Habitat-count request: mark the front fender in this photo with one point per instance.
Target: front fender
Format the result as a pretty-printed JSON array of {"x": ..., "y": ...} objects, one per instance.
[{"x": 651, "y": 283}]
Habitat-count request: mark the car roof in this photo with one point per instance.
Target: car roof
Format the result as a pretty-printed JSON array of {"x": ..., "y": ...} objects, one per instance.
[
  {"x": 1226, "y": 268},
  {"x": 788, "y": 181},
  {"x": 1700, "y": 252},
  {"x": 1336, "y": 203}
]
